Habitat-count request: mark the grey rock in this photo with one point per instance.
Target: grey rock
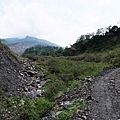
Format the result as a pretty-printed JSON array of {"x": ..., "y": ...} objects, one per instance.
[
  {"x": 34, "y": 84},
  {"x": 21, "y": 74},
  {"x": 84, "y": 117},
  {"x": 31, "y": 73},
  {"x": 38, "y": 81},
  {"x": 47, "y": 118},
  {"x": 39, "y": 92},
  {"x": 58, "y": 112},
  {"x": 32, "y": 94},
  {"x": 25, "y": 89},
  {"x": 67, "y": 104},
  {"x": 39, "y": 86}
]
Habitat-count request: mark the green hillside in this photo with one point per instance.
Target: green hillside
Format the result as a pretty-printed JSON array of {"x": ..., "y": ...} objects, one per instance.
[{"x": 98, "y": 43}]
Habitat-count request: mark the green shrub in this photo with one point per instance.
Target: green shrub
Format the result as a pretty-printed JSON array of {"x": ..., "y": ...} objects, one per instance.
[
  {"x": 28, "y": 111},
  {"x": 53, "y": 88},
  {"x": 112, "y": 57},
  {"x": 35, "y": 110},
  {"x": 64, "y": 115},
  {"x": 43, "y": 106},
  {"x": 83, "y": 104},
  {"x": 86, "y": 57},
  {"x": 116, "y": 61},
  {"x": 66, "y": 77}
]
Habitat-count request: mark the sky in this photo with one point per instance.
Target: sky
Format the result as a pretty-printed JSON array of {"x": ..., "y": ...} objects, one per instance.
[{"x": 58, "y": 21}]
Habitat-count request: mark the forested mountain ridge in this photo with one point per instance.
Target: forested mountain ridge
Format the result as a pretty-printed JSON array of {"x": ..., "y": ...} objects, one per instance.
[{"x": 44, "y": 51}]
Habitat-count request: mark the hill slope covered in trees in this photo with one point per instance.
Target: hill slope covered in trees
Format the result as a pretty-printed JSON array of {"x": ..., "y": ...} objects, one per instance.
[{"x": 97, "y": 43}]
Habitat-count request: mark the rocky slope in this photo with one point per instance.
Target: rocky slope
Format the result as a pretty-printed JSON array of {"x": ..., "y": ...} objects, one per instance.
[
  {"x": 19, "y": 76},
  {"x": 9, "y": 70}
]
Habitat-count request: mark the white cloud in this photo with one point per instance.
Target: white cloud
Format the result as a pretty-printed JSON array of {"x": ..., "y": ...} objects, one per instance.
[
  {"x": 60, "y": 21},
  {"x": 89, "y": 19},
  {"x": 105, "y": 2},
  {"x": 40, "y": 20}
]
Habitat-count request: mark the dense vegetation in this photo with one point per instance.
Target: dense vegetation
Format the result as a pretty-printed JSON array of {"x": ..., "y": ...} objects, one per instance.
[
  {"x": 44, "y": 51},
  {"x": 97, "y": 43}
]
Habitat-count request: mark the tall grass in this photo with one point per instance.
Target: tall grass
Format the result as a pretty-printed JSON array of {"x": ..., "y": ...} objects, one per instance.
[{"x": 68, "y": 70}]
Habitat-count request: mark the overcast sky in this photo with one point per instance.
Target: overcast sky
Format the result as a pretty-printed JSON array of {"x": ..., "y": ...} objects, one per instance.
[{"x": 59, "y": 21}]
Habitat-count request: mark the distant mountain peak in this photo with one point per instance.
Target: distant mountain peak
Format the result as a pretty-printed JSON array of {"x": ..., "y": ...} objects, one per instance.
[
  {"x": 20, "y": 45},
  {"x": 27, "y": 36}
]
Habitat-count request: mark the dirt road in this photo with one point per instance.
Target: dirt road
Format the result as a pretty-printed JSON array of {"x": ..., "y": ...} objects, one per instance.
[{"x": 106, "y": 97}]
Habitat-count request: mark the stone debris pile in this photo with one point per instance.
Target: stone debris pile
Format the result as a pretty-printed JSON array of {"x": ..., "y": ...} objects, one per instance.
[{"x": 34, "y": 80}]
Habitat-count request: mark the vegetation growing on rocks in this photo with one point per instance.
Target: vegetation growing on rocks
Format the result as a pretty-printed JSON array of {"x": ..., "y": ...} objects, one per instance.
[{"x": 65, "y": 75}]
